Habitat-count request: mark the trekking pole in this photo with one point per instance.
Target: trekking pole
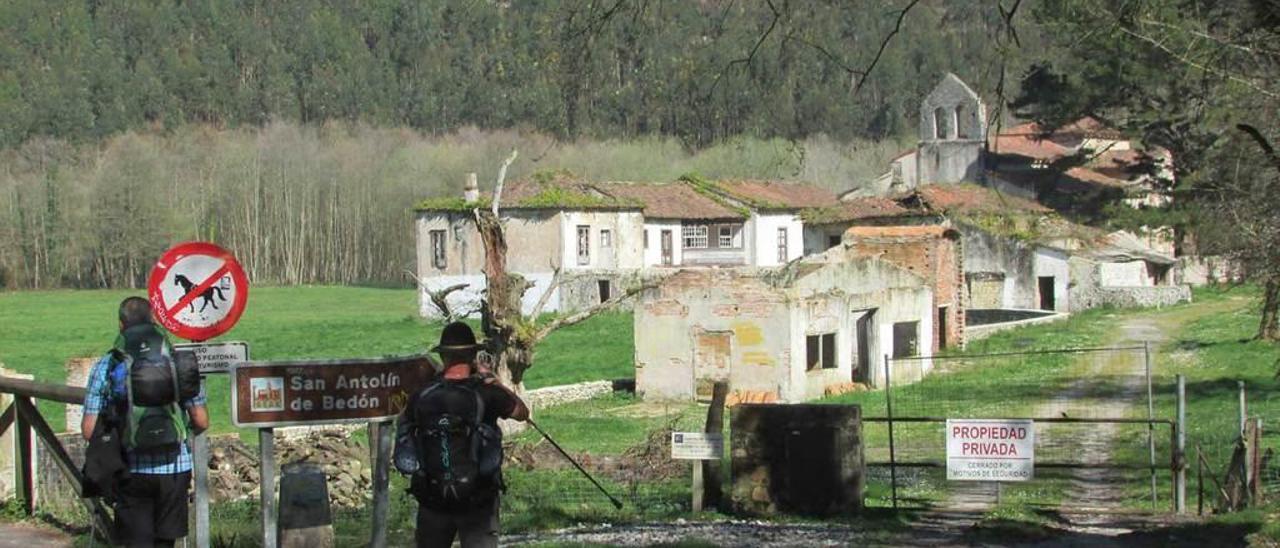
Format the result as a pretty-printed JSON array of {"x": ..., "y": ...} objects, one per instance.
[{"x": 616, "y": 503}]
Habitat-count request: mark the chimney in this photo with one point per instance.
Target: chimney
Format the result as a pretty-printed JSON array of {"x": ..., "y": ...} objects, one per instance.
[{"x": 471, "y": 191}]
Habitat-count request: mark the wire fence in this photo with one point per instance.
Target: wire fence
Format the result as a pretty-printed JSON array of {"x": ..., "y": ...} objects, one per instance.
[{"x": 1100, "y": 440}]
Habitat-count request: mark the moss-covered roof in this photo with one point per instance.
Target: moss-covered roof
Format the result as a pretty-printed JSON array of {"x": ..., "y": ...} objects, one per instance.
[{"x": 555, "y": 191}]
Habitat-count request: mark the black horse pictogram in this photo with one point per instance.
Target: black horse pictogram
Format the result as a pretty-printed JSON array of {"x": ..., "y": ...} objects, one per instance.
[{"x": 206, "y": 295}]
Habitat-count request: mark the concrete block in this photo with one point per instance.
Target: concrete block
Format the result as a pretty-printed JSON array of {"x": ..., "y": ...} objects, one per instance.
[{"x": 797, "y": 459}]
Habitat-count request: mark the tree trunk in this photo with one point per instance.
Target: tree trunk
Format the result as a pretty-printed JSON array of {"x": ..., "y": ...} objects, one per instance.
[
  {"x": 1269, "y": 327},
  {"x": 507, "y": 338}
]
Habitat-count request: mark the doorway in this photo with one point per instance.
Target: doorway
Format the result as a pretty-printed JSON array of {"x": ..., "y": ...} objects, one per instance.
[
  {"x": 667, "y": 252},
  {"x": 942, "y": 327},
  {"x": 605, "y": 290},
  {"x": 1047, "y": 300},
  {"x": 863, "y": 331}
]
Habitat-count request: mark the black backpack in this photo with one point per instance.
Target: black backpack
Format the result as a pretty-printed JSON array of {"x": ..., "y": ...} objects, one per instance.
[
  {"x": 147, "y": 383},
  {"x": 459, "y": 455}
]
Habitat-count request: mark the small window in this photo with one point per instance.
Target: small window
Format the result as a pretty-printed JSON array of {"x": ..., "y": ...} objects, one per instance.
[
  {"x": 584, "y": 244},
  {"x": 646, "y": 239},
  {"x": 906, "y": 339},
  {"x": 695, "y": 236},
  {"x": 820, "y": 351},
  {"x": 783, "y": 256},
  {"x": 606, "y": 239},
  {"x": 959, "y": 123},
  {"x": 438, "y": 257},
  {"x": 939, "y": 123},
  {"x": 730, "y": 236}
]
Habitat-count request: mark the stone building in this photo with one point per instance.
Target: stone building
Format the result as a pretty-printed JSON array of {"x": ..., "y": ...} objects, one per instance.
[
  {"x": 789, "y": 334},
  {"x": 953, "y": 134},
  {"x": 601, "y": 236},
  {"x": 595, "y": 239},
  {"x": 931, "y": 252}
]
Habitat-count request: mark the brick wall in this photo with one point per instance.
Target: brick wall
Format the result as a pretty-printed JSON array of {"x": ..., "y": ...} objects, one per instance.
[{"x": 937, "y": 259}]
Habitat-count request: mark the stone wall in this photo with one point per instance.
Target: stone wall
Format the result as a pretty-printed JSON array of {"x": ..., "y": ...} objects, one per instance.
[
  {"x": 797, "y": 459},
  {"x": 1142, "y": 297},
  {"x": 551, "y": 396}
]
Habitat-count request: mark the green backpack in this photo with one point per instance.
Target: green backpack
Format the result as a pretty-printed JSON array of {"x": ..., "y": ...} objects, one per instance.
[{"x": 145, "y": 384}]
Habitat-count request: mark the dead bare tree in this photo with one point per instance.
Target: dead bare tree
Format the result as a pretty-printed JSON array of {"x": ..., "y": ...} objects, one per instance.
[{"x": 510, "y": 335}]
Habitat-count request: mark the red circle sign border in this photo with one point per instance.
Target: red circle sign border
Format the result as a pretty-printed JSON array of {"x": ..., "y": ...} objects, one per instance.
[{"x": 156, "y": 296}]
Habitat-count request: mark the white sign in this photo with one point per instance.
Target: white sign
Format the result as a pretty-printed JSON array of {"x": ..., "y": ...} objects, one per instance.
[
  {"x": 216, "y": 357},
  {"x": 990, "y": 449},
  {"x": 697, "y": 446}
]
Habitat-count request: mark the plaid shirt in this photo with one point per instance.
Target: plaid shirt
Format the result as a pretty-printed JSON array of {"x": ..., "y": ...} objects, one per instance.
[{"x": 98, "y": 395}]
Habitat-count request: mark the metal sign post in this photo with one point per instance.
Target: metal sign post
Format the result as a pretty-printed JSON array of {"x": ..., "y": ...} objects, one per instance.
[
  {"x": 198, "y": 291},
  {"x": 211, "y": 359}
]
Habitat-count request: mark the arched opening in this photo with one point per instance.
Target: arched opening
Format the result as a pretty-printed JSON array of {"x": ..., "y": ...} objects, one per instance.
[
  {"x": 939, "y": 123},
  {"x": 959, "y": 123}
]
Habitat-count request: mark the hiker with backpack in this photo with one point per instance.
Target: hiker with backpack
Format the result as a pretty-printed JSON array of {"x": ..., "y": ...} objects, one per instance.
[
  {"x": 144, "y": 399},
  {"x": 449, "y": 443}
]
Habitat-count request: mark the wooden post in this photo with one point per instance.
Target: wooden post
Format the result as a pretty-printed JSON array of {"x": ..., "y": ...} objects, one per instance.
[
  {"x": 697, "y": 486},
  {"x": 26, "y": 464},
  {"x": 267, "y": 471},
  {"x": 381, "y": 435},
  {"x": 712, "y": 484},
  {"x": 1180, "y": 450},
  {"x": 200, "y": 465},
  {"x": 1244, "y": 410},
  {"x": 1199, "y": 480}
]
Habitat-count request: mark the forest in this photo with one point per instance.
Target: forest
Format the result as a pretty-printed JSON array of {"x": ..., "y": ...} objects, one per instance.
[{"x": 299, "y": 134}]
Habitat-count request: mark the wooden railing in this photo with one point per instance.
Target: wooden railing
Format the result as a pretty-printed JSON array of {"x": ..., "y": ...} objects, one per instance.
[{"x": 28, "y": 418}]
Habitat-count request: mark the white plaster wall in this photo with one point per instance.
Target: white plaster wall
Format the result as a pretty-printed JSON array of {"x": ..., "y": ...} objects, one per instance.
[
  {"x": 718, "y": 300},
  {"x": 764, "y": 238},
  {"x": 1127, "y": 274},
  {"x": 861, "y": 284},
  {"x": 653, "y": 254},
  {"x": 1052, "y": 262},
  {"x": 627, "y": 251}
]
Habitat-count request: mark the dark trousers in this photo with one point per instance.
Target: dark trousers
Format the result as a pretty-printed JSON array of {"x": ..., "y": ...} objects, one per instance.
[
  {"x": 475, "y": 528},
  {"x": 152, "y": 509}
]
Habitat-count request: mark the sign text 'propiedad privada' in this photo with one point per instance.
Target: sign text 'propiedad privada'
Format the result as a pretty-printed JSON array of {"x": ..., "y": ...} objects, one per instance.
[
  {"x": 288, "y": 393},
  {"x": 990, "y": 449}
]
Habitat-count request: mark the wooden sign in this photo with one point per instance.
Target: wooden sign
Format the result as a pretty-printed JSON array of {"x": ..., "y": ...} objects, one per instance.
[{"x": 302, "y": 392}]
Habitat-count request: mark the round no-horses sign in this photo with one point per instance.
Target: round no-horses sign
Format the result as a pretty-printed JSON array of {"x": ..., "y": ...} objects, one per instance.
[{"x": 197, "y": 290}]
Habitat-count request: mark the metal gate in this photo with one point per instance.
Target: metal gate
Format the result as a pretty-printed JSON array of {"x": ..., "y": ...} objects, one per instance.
[{"x": 1101, "y": 443}]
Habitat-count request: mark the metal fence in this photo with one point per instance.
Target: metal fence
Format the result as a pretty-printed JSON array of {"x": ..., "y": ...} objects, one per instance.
[{"x": 1099, "y": 442}]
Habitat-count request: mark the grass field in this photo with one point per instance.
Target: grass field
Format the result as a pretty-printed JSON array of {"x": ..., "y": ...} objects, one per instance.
[{"x": 41, "y": 330}]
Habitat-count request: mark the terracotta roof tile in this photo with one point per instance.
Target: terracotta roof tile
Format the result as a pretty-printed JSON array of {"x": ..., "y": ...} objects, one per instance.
[
  {"x": 671, "y": 201},
  {"x": 871, "y": 207},
  {"x": 778, "y": 194},
  {"x": 967, "y": 198},
  {"x": 910, "y": 231}
]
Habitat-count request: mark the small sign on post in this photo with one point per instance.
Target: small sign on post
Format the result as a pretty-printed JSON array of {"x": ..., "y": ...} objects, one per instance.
[
  {"x": 697, "y": 446},
  {"x": 216, "y": 358},
  {"x": 990, "y": 449}
]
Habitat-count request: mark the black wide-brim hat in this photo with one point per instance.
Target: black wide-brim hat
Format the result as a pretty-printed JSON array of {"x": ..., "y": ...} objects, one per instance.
[{"x": 457, "y": 337}]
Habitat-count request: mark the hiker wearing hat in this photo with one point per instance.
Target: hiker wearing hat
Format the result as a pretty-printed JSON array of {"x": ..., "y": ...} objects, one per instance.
[{"x": 449, "y": 443}]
